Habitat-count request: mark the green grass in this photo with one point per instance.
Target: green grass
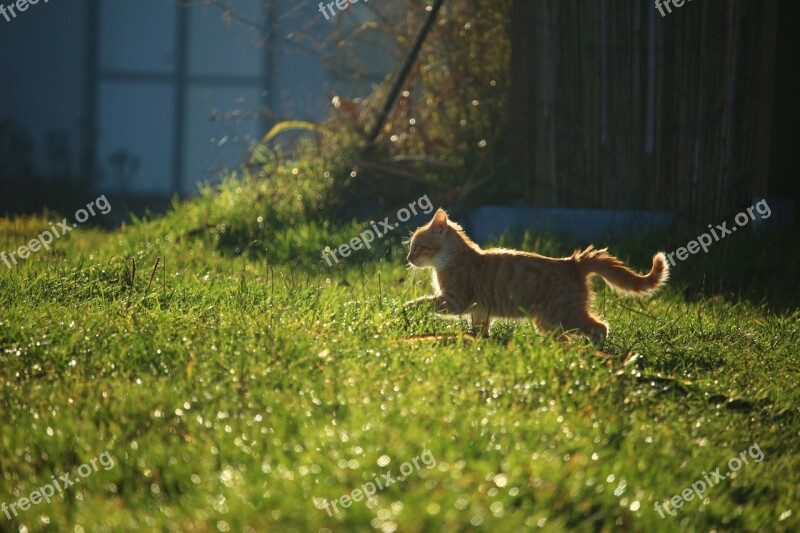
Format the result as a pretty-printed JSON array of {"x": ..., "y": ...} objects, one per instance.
[{"x": 247, "y": 380}]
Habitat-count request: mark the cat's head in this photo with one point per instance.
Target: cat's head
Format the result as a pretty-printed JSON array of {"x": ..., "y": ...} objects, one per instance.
[{"x": 431, "y": 242}]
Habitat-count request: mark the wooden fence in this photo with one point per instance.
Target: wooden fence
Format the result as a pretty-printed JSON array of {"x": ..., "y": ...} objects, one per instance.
[{"x": 615, "y": 106}]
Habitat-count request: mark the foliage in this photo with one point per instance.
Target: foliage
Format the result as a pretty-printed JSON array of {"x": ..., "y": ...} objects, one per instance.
[{"x": 446, "y": 133}]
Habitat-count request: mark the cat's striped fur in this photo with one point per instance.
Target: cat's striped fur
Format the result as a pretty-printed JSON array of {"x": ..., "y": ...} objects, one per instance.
[{"x": 499, "y": 283}]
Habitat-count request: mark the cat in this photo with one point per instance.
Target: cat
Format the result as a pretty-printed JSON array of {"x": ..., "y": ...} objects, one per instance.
[{"x": 500, "y": 283}]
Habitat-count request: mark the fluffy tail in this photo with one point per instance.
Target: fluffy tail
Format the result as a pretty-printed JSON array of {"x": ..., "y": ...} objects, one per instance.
[{"x": 620, "y": 277}]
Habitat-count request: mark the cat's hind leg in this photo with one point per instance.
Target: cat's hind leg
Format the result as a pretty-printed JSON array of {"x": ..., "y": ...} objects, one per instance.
[
  {"x": 584, "y": 323},
  {"x": 593, "y": 328}
]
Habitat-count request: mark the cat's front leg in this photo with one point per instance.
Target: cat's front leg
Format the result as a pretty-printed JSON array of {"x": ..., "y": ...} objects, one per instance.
[
  {"x": 441, "y": 304},
  {"x": 419, "y": 302},
  {"x": 481, "y": 324}
]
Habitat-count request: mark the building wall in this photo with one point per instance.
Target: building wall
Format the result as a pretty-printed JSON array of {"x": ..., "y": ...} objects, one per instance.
[
  {"x": 148, "y": 98},
  {"x": 182, "y": 98},
  {"x": 42, "y": 83}
]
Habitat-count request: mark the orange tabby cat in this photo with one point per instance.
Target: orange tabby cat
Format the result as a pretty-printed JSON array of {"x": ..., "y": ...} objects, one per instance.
[{"x": 488, "y": 284}]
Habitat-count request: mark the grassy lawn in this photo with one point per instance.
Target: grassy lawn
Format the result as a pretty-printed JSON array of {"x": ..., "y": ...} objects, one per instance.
[{"x": 242, "y": 382}]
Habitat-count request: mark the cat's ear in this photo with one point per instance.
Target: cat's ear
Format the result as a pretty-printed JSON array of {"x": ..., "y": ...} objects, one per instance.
[{"x": 439, "y": 222}]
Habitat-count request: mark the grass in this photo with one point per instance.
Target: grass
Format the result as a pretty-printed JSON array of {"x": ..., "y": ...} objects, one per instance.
[{"x": 242, "y": 381}]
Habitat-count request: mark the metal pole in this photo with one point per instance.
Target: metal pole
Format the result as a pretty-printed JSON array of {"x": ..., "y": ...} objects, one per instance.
[{"x": 404, "y": 71}]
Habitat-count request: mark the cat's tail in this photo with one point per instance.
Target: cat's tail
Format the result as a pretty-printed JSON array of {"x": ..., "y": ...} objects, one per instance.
[{"x": 619, "y": 276}]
